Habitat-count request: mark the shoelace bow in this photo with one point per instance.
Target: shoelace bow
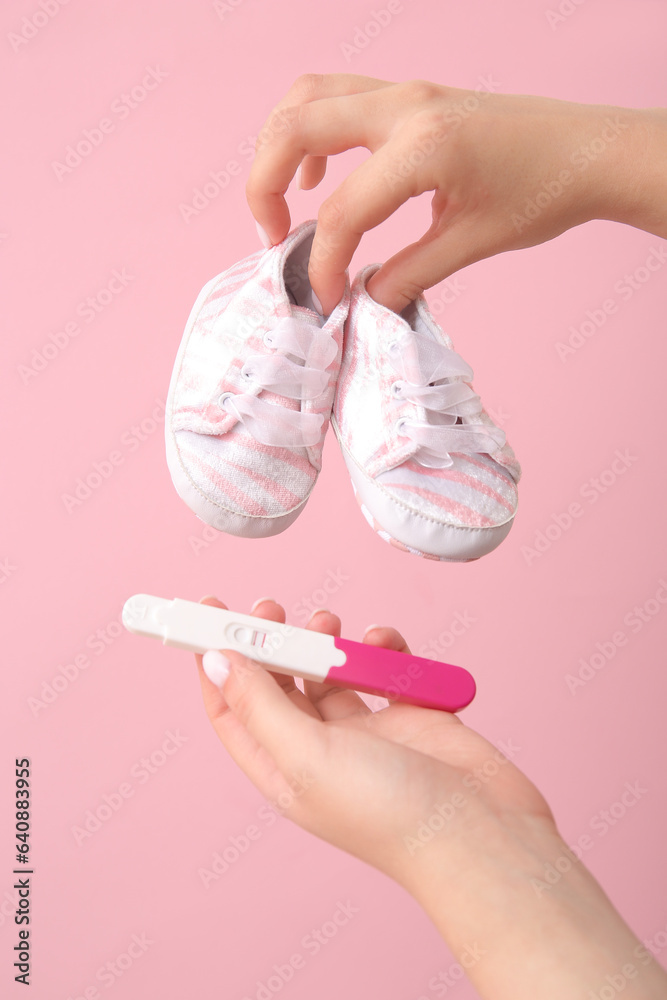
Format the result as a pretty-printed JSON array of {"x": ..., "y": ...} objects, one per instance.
[
  {"x": 425, "y": 366},
  {"x": 270, "y": 423}
]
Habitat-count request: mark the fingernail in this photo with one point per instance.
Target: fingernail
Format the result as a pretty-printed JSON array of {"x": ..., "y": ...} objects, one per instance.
[
  {"x": 266, "y": 242},
  {"x": 216, "y": 667},
  {"x": 209, "y": 597},
  {"x": 260, "y": 600},
  {"x": 317, "y": 612},
  {"x": 317, "y": 303},
  {"x": 370, "y": 629},
  {"x": 297, "y": 177}
]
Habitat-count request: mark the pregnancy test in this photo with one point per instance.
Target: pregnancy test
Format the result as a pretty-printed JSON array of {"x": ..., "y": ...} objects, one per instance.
[{"x": 302, "y": 652}]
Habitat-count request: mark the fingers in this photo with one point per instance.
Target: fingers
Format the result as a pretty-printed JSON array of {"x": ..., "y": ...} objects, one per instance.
[
  {"x": 311, "y": 171},
  {"x": 265, "y": 193},
  {"x": 318, "y": 86},
  {"x": 434, "y": 257},
  {"x": 243, "y": 747},
  {"x": 332, "y": 702},
  {"x": 320, "y": 128},
  {"x": 388, "y": 638},
  {"x": 213, "y": 700},
  {"x": 271, "y": 611},
  {"x": 291, "y": 737},
  {"x": 423, "y": 729},
  {"x": 407, "y": 274},
  {"x": 402, "y": 126},
  {"x": 214, "y": 703},
  {"x": 367, "y": 197},
  {"x": 268, "y": 609},
  {"x": 327, "y": 117}
]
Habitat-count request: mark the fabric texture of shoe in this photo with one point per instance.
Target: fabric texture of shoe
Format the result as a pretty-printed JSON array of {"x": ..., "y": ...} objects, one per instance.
[
  {"x": 431, "y": 471},
  {"x": 251, "y": 392}
]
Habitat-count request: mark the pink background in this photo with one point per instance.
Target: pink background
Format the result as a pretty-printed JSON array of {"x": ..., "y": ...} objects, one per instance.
[{"x": 67, "y": 574}]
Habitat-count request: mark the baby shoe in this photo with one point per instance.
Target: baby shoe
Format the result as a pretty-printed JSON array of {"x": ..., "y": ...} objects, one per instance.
[
  {"x": 431, "y": 471},
  {"x": 251, "y": 392}
]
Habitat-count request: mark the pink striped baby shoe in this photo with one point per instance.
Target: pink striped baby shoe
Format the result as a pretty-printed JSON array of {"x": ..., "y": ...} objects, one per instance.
[
  {"x": 430, "y": 470},
  {"x": 251, "y": 392}
]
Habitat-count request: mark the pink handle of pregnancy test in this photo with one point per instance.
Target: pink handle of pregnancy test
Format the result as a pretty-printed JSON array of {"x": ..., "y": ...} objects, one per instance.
[{"x": 402, "y": 677}]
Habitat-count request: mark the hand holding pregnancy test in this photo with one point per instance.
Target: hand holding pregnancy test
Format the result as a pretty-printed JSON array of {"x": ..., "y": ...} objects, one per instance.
[{"x": 300, "y": 652}]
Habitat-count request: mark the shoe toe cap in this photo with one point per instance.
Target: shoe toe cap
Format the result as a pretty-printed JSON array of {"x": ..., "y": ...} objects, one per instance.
[
  {"x": 456, "y": 514},
  {"x": 236, "y": 485}
]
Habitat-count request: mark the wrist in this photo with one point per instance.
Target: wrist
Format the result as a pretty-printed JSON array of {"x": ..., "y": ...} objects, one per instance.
[
  {"x": 526, "y": 918},
  {"x": 634, "y": 182}
]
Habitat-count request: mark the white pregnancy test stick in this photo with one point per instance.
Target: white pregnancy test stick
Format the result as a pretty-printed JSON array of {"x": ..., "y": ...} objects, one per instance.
[{"x": 301, "y": 652}]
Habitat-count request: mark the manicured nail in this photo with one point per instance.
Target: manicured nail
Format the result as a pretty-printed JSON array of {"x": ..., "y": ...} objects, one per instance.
[
  {"x": 298, "y": 178},
  {"x": 209, "y": 597},
  {"x": 317, "y": 612},
  {"x": 317, "y": 304},
  {"x": 260, "y": 600},
  {"x": 370, "y": 629},
  {"x": 216, "y": 667},
  {"x": 266, "y": 242}
]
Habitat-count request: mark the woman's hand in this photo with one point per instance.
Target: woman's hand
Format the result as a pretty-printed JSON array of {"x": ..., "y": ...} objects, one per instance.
[
  {"x": 368, "y": 782},
  {"x": 507, "y": 171},
  {"x": 435, "y": 806}
]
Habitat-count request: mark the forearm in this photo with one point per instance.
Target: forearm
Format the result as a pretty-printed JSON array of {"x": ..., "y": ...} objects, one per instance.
[
  {"x": 635, "y": 182},
  {"x": 520, "y": 936}
]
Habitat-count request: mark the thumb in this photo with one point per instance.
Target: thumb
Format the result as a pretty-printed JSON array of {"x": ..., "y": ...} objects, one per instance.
[{"x": 291, "y": 736}]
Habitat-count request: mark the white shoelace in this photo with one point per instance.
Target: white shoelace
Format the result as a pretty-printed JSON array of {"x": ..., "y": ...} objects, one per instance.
[
  {"x": 296, "y": 369},
  {"x": 425, "y": 366}
]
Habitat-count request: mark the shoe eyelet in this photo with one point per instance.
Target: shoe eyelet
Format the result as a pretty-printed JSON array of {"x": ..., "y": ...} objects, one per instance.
[
  {"x": 397, "y": 389},
  {"x": 399, "y": 427},
  {"x": 393, "y": 347},
  {"x": 268, "y": 338},
  {"x": 245, "y": 374},
  {"x": 222, "y": 397}
]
